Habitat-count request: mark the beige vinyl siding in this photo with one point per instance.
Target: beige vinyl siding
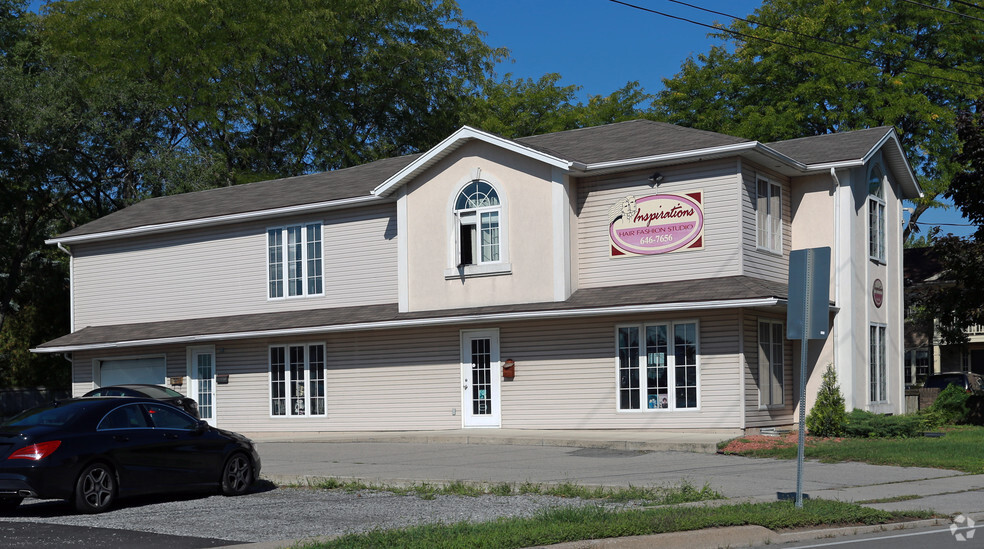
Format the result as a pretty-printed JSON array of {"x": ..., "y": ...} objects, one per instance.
[
  {"x": 566, "y": 375},
  {"x": 757, "y": 262},
  {"x": 722, "y": 247},
  {"x": 223, "y": 270},
  {"x": 411, "y": 379},
  {"x": 83, "y": 363},
  {"x": 756, "y": 415}
]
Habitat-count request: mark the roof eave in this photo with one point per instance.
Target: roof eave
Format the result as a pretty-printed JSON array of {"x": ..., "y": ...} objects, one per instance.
[
  {"x": 452, "y": 143},
  {"x": 425, "y": 322},
  {"x": 218, "y": 220}
]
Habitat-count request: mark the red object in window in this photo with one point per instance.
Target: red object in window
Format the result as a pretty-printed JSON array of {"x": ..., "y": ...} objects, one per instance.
[{"x": 36, "y": 452}]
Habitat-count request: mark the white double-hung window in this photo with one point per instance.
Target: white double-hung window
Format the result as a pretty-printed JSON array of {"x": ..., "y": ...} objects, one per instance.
[
  {"x": 658, "y": 366},
  {"x": 877, "y": 367},
  {"x": 297, "y": 380},
  {"x": 294, "y": 261},
  {"x": 771, "y": 362},
  {"x": 478, "y": 218},
  {"x": 876, "y": 214},
  {"x": 768, "y": 215}
]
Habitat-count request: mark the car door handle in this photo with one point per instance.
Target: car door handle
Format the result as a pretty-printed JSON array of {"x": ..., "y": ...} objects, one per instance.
[
  {"x": 171, "y": 435},
  {"x": 121, "y": 438}
]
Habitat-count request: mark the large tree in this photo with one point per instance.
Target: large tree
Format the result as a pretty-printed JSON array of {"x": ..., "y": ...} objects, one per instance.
[
  {"x": 799, "y": 67},
  {"x": 66, "y": 156},
  {"x": 956, "y": 301},
  {"x": 284, "y": 87}
]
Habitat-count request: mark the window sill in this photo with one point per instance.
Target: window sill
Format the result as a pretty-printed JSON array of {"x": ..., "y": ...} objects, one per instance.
[
  {"x": 474, "y": 271},
  {"x": 769, "y": 251}
]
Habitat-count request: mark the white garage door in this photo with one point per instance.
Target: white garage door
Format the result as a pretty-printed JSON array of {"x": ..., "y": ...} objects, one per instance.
[{"x": 132, "y": 370}]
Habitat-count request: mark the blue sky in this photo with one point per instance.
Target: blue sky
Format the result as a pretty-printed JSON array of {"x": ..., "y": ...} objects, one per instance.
[{"x": 601, "y": 45}]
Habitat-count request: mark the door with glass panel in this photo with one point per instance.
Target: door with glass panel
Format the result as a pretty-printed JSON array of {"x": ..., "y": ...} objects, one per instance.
[
  {"x": 480, "y": 378},
  {"x": 202, "y": 387}
]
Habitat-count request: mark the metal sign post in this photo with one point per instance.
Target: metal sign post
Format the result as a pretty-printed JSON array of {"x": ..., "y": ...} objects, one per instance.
[{"x": 807, "y": 317}]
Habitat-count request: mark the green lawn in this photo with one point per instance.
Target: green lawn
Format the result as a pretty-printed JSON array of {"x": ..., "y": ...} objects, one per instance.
[
  {"x": 959, "y": 449},
  {"x": 573, "y": 524}
]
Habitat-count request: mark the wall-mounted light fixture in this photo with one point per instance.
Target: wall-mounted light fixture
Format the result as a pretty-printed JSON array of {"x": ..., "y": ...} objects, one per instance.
[
  {"x": 656, "y": 179},
  {"x": 509, "y": 369}
]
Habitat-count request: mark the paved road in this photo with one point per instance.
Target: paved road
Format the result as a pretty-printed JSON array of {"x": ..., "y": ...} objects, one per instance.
[{"x": 282, "y": 514}]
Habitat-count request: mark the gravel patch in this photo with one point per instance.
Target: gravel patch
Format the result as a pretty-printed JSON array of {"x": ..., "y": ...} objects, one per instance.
[{"x": 289, "y": 513}]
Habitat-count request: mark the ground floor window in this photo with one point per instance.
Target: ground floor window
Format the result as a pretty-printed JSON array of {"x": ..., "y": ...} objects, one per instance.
[
  {"x": 658, "y": 366},
  {"x": 771, "y": 362},
  {"x": 297, "y": 380},
  {"x": 877, "y": 371}
]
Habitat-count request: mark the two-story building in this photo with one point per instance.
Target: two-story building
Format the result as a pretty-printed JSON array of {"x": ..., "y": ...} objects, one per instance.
[{"x": 630, "y": 276}]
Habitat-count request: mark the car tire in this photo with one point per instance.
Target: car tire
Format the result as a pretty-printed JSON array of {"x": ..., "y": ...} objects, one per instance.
[
  {"x": 237, "y": 475},
  {"x": 95, "y": 489},
  {"x": 8, "y": 505}
]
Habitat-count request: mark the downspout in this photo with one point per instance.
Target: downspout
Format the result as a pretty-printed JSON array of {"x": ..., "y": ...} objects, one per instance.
[
  {"x": 71, "y": 308},
  {"x": 836, "y": 260},
  {"x": 71, "y": 287}
]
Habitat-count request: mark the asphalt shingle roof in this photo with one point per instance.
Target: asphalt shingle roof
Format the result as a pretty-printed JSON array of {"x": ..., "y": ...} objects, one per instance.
[
  {"x": 612, "y": 142},
  {"x": 676, "y": 292}
]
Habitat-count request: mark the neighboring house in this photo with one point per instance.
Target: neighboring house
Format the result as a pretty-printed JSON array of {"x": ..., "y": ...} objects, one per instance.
[
  {"x": 924, "y": 352},
  {"x": 629, "y": 276}
]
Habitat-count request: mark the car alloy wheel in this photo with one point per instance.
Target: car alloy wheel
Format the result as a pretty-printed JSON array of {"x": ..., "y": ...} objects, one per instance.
[
  {"x": 95, "y": 490},
  {"x": 237, "y": 475}
]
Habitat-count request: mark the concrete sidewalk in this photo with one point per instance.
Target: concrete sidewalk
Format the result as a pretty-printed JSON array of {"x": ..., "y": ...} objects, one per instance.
[{"x": 609, "y": 458}]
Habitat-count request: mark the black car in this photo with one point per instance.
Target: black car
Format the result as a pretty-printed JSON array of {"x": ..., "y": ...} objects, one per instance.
[
  {"x": 92, "y": 451},
  {"x": 970, "y": 382},
  {"x": 150, "y": 391}
]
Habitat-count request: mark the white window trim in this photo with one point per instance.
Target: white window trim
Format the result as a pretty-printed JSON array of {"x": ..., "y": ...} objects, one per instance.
[
  {"x": 304, "y": 383},
  {"x": 763, "y": 405},
  {"x": 768, "y": 231},
  {"x": 877, "y": 231},
  {"x": 670, "y": 365},
  {"x": 305, "y": 275},
  {"x": 483, "y": 268},
  {"x": 878, "y": 371}
]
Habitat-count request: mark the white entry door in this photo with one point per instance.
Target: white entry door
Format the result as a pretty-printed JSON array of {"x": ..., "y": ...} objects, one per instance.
[
  {"x": 201, "y": 364},
  {"x": 480, "y": 378}
]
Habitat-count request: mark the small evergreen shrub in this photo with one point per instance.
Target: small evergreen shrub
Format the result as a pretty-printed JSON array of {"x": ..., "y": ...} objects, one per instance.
[
  {"x": 862, "y": 424},
  {"x": 951, "y": 407},
  {"x": 828, "y": 416}
]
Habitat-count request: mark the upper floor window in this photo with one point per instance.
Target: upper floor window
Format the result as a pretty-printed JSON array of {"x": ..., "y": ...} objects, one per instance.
[
  {"x": 294, "y": 261},
  {"x": 876, "y": 214},
  {"x": 478, "y": 217},
  {"x": 768, "y": 220}
]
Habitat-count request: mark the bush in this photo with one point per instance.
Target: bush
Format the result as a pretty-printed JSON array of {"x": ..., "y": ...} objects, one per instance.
[
  {"x": 949, "y": 408},
  {"x": 862, "y": 424},
  {"x": 827, "y": 418}
]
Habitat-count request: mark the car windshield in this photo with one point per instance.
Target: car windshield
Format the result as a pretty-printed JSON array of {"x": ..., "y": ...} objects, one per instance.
[
  {"x": 159, "y": 392},
  {"x": 55, "y": 414}
]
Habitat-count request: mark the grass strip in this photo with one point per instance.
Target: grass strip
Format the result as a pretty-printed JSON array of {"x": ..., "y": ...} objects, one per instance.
[
  {"x": 959, "y": 450},
  {"x": 582, "y": 523},
  {"x": 684, "y": 492}
]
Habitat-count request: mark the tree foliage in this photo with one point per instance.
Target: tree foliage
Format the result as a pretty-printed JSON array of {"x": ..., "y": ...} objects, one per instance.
[
  {"x": 523, "y": 107},
  {"x": 828, "y": 417},
  {"x": 818, "y": 67},
  {"x": 277, "y": 88}
]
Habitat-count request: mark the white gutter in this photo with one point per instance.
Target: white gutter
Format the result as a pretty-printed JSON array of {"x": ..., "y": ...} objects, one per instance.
[
  {"x": 677, "y": 156},
  {"x": 423, "y": 322},
  {"x": 221, "y": 219}
]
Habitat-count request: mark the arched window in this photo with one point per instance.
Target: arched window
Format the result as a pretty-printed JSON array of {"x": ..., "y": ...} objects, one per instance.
[
  {"x": 876, "y": 214},
  {"x": 478, "y": 214}
]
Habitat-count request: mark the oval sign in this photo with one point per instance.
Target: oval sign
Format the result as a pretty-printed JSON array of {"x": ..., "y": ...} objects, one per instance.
[
  {"x": 877, "y": 292},
  {"x": 656, "y": 224}
]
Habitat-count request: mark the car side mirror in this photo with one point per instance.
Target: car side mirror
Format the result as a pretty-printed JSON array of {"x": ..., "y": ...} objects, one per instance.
[{"x": 201, "y": 427}]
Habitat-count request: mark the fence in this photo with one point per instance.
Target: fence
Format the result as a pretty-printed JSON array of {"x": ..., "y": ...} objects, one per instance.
[{"x": 14, "y": 401}]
